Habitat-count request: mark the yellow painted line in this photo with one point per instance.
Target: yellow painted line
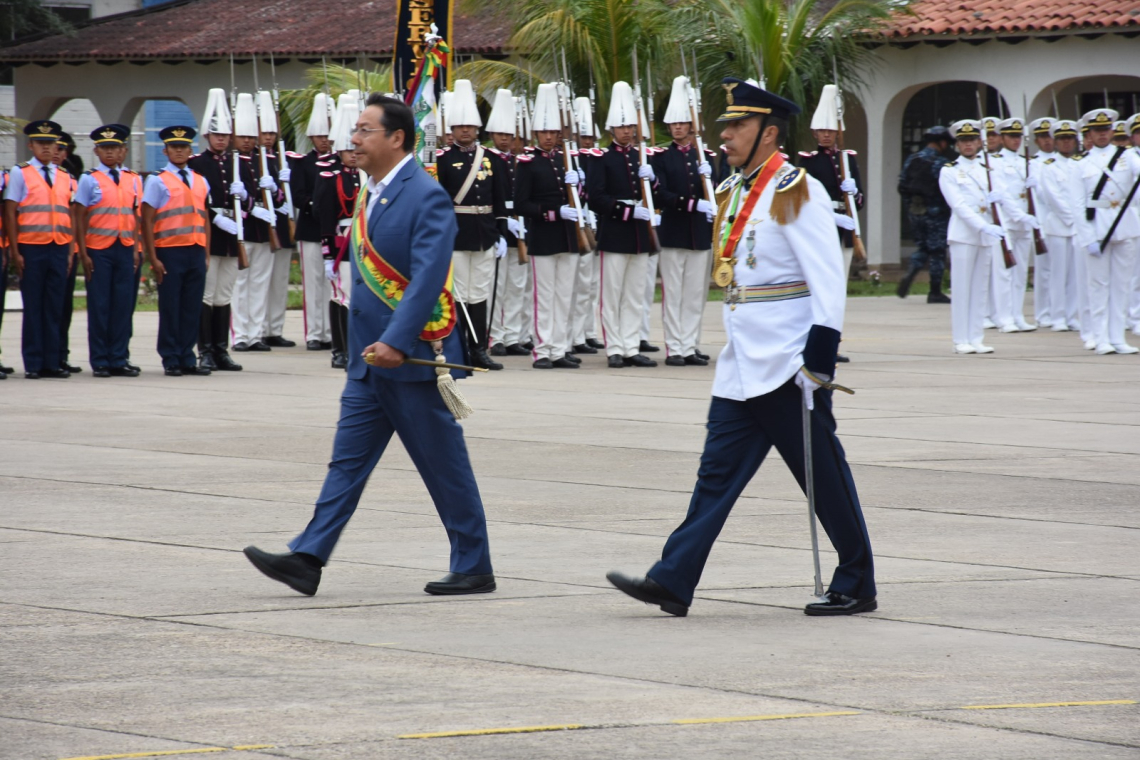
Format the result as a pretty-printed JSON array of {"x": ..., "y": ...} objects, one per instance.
[
  {"x": 749, "y": 718},
  {"x": 492, "y": 731},
  {"x": 1050, "y": 704},
  {"x": 172, "y": 752}
]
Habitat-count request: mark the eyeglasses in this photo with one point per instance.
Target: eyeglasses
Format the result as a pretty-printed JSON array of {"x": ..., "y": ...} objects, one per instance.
[{"x": 367, "y": 130}]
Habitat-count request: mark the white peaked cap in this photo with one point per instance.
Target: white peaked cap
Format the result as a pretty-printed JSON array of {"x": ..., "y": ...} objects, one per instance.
[
  {"x": 265, "y": 113},
  {"x": 216, "y": 120},
  {"x": 584, "y": 118},
  {"x": 622, "y": 110},
  {"x": 546, "y": 117},
  {"x": 319, "y": 118},
  {"x": 347, "y": 114},
  {"x": 678, "y": 109},
  {"x": 502, "y": 118},
  {"x": 464, "y": 111},
  {"x": 827, "y": 112},
  {"x": 245, "y": 116},
  {"x": 446, "y": 100}
]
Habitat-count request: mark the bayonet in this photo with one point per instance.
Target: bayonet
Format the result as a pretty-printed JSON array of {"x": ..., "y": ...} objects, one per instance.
[
  {"x": 282, "y": 154},
  {"x": 1056, "y": 109}
]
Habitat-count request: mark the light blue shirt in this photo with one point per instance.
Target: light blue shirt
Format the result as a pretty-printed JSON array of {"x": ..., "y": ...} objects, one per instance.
[
  {"x": 88, "y": 193},
  {"x": 155, "y": 193},
  {"x": 17, "y": 189}
]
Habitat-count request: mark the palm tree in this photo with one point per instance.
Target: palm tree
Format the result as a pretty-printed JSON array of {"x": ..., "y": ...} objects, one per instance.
[{"x": 296, "y": 105}]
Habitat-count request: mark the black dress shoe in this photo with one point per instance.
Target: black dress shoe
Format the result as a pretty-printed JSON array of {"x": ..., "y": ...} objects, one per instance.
[
  {"x": 572, "y": 358},
  {"x": 529, "y": 346},
  {"x": 224, "y": 362},
  {"x": 647, "y": 348},
  {"x": 582, "y": 348},
  {"x": 696, "y": 361},
  {"x": 300, "y": 572},
  {"x": 674, "y": 361},
  {"x": 457, "y": 583},
  {"x": 276, "y": 341},
  {"x": 6, "y": 370},
  {"x": 839, "y": 604},
  {"x": 637, "y": 360},
  {"x": 192, "y": 370},
  {"x": 565, "y": 363},
  {"x": 241, "y": 347},
  {"x": 206, "y": 360},
  {"x": 58, "y": 374},
  {"x": 649, "y": 591},
  {"x": 326, "y": 345},
  {"x": 100, "y": 372},
  {"x": 124, "y": 372},
  {"x": 172, "y": 372},
  {"x": 479, "y": 358},
  {"x": 595, "y": 343},
  {"x": 516, "y": 350},
  {"x": 615, "y": 362},
  {"x": 132, "y": 367},
  {"x": 31, "y": 375},
  {"x": 543, "y": 363},
  {"x": 70, "y": 368},
  {"x": 313, "y": 345},
  {"x": 259, "y": 345},
  {"x": 841, "y": 359},
  {"x": 339, "y": 360},
  {"x": 3, "y": 375},
  {"x": 699, "y": 355},
  {"x": 498, "y": 350}
]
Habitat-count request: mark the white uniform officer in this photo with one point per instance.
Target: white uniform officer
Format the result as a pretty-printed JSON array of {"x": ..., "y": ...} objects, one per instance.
[
  {"x": 1009, "y": 283},
  {"x": 1059, "y": 206},
  {"x": 1132, "y": 129},
  {"x": 1038, "y": 130}
]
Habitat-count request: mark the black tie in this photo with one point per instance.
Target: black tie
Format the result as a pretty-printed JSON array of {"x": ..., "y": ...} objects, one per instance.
[
  {"x": 115, "y": 175},
  {"x": 184, "y": 176},
  {"x": 47, "y": 175}
]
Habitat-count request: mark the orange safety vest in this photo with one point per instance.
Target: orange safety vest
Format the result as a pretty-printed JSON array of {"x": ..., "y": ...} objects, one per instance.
[
  {"x": 182, "y": 220},
  {"x": 44, "y": 216},
  {"x": 113, "y": 217},
  {"x": 3, "y": 234}
]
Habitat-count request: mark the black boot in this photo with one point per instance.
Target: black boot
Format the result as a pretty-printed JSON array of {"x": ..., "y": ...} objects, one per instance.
[
  {"x": 222, "y": 340},
  {"x": 905, "y": 282},
  {"x": 205, "y": 338},
  {"x": 339, "y": 322},
  {"x": 479, "y": 356},
  {"x": 936, "y": 295}
]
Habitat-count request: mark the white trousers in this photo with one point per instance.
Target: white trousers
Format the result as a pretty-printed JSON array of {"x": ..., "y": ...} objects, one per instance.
[
  {"x": 473, "y": 275},
  {"x": 512, "y": 308},
  {"x": 1042, "y": 277},
  {"x": 554, "y": 277},
  {"x": 1110, "y": 285},
  {"x": 970, "y": 274},
  {"x": 278, "y": 292},
  {"x": 584, "y": 313},
  {"x": 622, "y": 301},
  {"x": 848, "y": 256},
  {"x": 251, "y": 295},
  {"x": 684, "y": 290},
  {"x": 1134, "y": 299},
  {"x": 1008, "y": 286},
  {"x": 220, "y": 279},
  {"x": 1081, "y": 276},
  {"x": 1064, "y": 307},
  {"x": 317, "y": 290},
  {"x": 341, "y": 290},
  {"x": 650, "y": 292}
]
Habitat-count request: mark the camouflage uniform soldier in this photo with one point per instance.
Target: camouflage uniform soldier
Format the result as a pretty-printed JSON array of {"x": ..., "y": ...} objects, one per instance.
[{"x": 927, "y": 211}]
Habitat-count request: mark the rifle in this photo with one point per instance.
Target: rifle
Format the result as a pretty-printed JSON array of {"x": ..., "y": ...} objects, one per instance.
[
  {"x": 566, "y": 121},
  {"x": 586, "y": 231},
  {"x": 520, "y": 134},
  {"x": 694, "y": 111},
  {"x": 281, "y": 153},
  {"x": 845, "y": 172},
  {"x": 243, "y": 259},
  {"x": 643, "y": 150},
  {"x": 266, "y": 195},
  {"x": 1006, "y": 254},
  {"x": 1038, "y": 239}
]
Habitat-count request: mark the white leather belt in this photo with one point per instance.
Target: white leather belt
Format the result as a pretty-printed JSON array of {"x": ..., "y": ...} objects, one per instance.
[{"x": 473, "y": 209}]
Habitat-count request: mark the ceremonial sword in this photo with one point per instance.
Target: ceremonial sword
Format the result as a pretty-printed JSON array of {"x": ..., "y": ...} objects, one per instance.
[{"x": 368, "y": 357}]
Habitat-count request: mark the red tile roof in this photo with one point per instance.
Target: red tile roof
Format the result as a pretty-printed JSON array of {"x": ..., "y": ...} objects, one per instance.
[
  {"x": 211, "y": 29},
  {"x": 1013, "y": 17}
]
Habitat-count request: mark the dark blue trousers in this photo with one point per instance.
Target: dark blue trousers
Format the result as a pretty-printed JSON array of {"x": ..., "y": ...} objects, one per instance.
[
  {"x": 180, "y": 303},
  {"x": 42, "y": 287},
  {"x": 110, "y": 304},
  {"x": 740, "y": 435},
  {"x": 371, "y": 410}
]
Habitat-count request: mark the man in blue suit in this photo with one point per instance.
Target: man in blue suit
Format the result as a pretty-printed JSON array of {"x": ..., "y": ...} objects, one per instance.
[{"x": 407, "y": 247}]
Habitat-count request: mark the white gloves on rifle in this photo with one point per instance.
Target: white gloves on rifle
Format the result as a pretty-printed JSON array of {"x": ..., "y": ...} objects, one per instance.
[
  {"x": 284, "y": 175},
  {"x": 569, "y": 213},
  {"x": 994, "y": 231},
  {"x": 225, "y": 224},
  {"x": 656, "y": 220},
  {"x": 809, "y": 387},
  {"x": 843, "y": 221},
  {"x": 1094, "y": 249},
  {"x": 514, "y": 227},
  {"x": 642, "y": 213},
  {"x": 501, "y": 248},
  {"x": 848, "y": 186},
  {"x": 267, "y": 183},
  {"x": 705, "y": 206},
  {"x": 262, "y": 213},
  {"x": 995, "y": 196},
  {"x": 1031, "y": 182},
  {"x": 572, "y": 177},
  {"x": 1032, "y": 221},
  {"x": 704, "y": 168},
  {"x": 646, "y": 172},
  {"x": 330, "y": 270},
  {"x": 238, "y": 189},
  {"x": 285, "y": 208}
]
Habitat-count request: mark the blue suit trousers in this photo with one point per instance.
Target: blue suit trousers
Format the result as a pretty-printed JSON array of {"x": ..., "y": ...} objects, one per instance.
[
  {"x": 42, "y": 288},
  {"x": 180, "y": 303},
  {"x": 740, "y": 435},
  {"x": 371, "y": 410},
  {"x": 110, "y": 304}
]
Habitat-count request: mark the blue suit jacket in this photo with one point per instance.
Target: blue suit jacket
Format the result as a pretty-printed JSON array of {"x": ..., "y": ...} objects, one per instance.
[{"x": 413, "y": 230}]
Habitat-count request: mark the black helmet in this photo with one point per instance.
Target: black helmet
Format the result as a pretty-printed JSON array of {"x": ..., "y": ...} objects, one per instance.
[{"x": 937, "y": 134}]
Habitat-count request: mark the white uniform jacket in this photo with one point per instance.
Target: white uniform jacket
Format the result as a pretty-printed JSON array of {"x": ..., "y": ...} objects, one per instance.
[
  {"x": 1123, "y": 176},
  {"x": 963, "y": 184},
  {"x": 1009, "y": 169},
  {"x": 769, "y": 341},
  {"x": 1059, "y": 195}
]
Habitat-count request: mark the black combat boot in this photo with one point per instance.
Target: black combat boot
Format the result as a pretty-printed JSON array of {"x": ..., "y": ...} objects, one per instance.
[
  {"x": 205, "y": 338},
  {"x": 221, "y": 340}
]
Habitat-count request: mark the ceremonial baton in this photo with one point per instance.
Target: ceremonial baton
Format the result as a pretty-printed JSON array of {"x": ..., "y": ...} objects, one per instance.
[{"x": 368, "y": 357}]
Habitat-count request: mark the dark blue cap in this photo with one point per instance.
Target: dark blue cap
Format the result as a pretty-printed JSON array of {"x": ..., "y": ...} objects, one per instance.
[
  {"x": 746, "y": 99},
  {"x": 178, "y": 135},
  {"x": 43, "y": 129},
  {"x": 111, "y": 134}
]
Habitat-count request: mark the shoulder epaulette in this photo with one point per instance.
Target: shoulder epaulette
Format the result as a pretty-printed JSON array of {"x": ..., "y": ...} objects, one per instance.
[
  {"x": 328, "y": 174},
  {"x": 709, "y": 152},
  {"x": 996, "y": 154},
  {"x": 1049, "y": 161},
  {"x": 807, "y": 153},
  {"x": 324, "y": 163},
  {"x": 24, "y": 164},
  {"x": 496, "y": 151},
  {"x": 244, "y": 157},
  {"x": 330, "y": 154},
  {"x": 790, "y": 179},
  {"x": 125, "y": 170},
  {"x": 730, "y": 182},
  {"x": 850, "y": 152},
  {"x": 441, "y": 152},
  {"x": 89, "y": 171},
  {"x": 1078, "y": 157},
  {"x": 951, "y": 163},
  {"x": 595, "y": 152},
  {"x": 293, "y": 155},
  {"x": 526, "y": 159}
]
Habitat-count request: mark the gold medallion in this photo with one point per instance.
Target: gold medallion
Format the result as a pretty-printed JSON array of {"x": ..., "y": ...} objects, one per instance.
[{"x": 724, "y": 273}]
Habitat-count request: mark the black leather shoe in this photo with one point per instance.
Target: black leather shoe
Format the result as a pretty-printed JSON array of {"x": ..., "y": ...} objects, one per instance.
[
  {"x": 841, "y": 359},
  {"x": 595, "y": 343},
  {"x": 637, "y": 360},
  {"x": 647, "y": 348},
  {"x": 133, "y": 367},
  {"x": 70, "y": 368},
  {"x": 696, "y": 361},
  {"x": 31, "y": 375},
  {"x": 516, "y": 350},
  {"x": 276, "y": 341},
  {"x": 699, "y": 355},
  {"x": 565, "y": 363},
  {"x": 313, "y": 345},
  {"x": 224, "y": 362},
  {"x": 543, "y": 363},
  {"x": 572, "y": 358},
  {"x": 195, "y": 371},
  {"x": 479, "y": 358},
  {"x": 259, "y": 345},
  {"x": 839, "y": 604},
  {"x": 498, "y": 350},
  {"x": 649, "y": 591},
  {"x": 529, "y": 346},
  {"x": 100, "y": 372},
  {"x": 299, "y": 572},
  {"x": 6, "y": 370},
  {"x": 937, "y": 297},
  {"x": 58, "y": 374},
  {"x": 615, "y": 362},
  {"x": 582, "y": 348},
  {"x": 206, "y": 360},
  {"x": 172, "y": 372},
  {"x": 339, "y": 360},
  {"x": 124, "y": 372},
  {"x": 241, "y": 347},
  {"x": 326, "y": 345},
  {"x": 674, "y": 361},
  {"x": 3, "y": 375},
  {"x": 454, "y": 584}
]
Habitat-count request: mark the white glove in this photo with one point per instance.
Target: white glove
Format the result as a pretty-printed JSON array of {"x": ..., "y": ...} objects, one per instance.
[
  {"x": 994, "y": 231},
  {"x": 705, "y": 206},
  {"x": 646, "y": 172},
  {"x": 1094, "y": 249},
  {"x": 843, "y": 221},
  {"x": 572, "y": 177},
  {"x": 285, "y": 208},
  {"x": 656, "y": 220},
  {"x": 225, "y": 224},
  {"x": 642, "y": 213},
  {"x": 284, "y": 175},
  {"x": 267, "y": 183},
  {"x": 848, "y": 186},
  {"x": 1031, "y": 183},
  {"x": 514, "y": 227},
  {"x": 262, "y": 213},
  {"x": 709, "y": 218},
  {"x": 995, "y": 196},
  {"x": 704, "y": 168},
  {"x": 809, "y": 387},
  {"x": 330, "y": 270},
  {"x": 238, "y": 189},
  {"x": 569, "y": 213},
  {"x": 501, "y": 248},
  {"x": 1032, "y": 221}
]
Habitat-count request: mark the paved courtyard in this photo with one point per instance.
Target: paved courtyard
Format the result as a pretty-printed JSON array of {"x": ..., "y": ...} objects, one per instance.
[{"x": 1002, "y": 494}]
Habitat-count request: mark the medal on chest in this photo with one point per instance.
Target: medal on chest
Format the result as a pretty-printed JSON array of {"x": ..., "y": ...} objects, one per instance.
[{"x": 750, "y": 244}]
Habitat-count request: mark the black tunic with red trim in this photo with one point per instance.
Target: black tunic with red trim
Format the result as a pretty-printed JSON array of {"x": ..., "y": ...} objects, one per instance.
[
  {"x": 610, "y": 179},
  {"x": 539, "y": 195},
  {"x": 679, "y": 187},
  {"x": 334, "y": 198}
]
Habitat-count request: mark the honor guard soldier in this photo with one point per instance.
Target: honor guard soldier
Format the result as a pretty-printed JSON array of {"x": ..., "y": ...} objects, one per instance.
[
  {"x": 584, "y": 312},
  {"x": 993, "y": 136},
  {"x": 1010, "y": 283},
  {"x": 1060, "y": 194},
  {"x": 476, "y": 180},
  {"x": 37, "y": 216},
  {"x": 1110, "y": 231},
  {"x": 228, "y": 199},
  {"x": 277, "y": 296},
  {"x": 1038, "y": 129},
  {"x": 685, "y": 232},
  {"x": 552, "y": 234},
  {"x": 106, "y": 208},
  {"x": 512, "y": 273},
  {"x": 779, "y": 259},
  {"x": 316, "y": 287},
  {"x": 176, "y": 239},
  {"x": 927, "y": 211},
  {"x": 613, "y": 187},
  {"x": 334, "y": 197}
]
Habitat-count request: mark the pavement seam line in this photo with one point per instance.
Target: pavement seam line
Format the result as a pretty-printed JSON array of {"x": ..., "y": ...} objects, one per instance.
[
  {"x": 1035, "y": 705},
  {"x": 173, "y": 752}
]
